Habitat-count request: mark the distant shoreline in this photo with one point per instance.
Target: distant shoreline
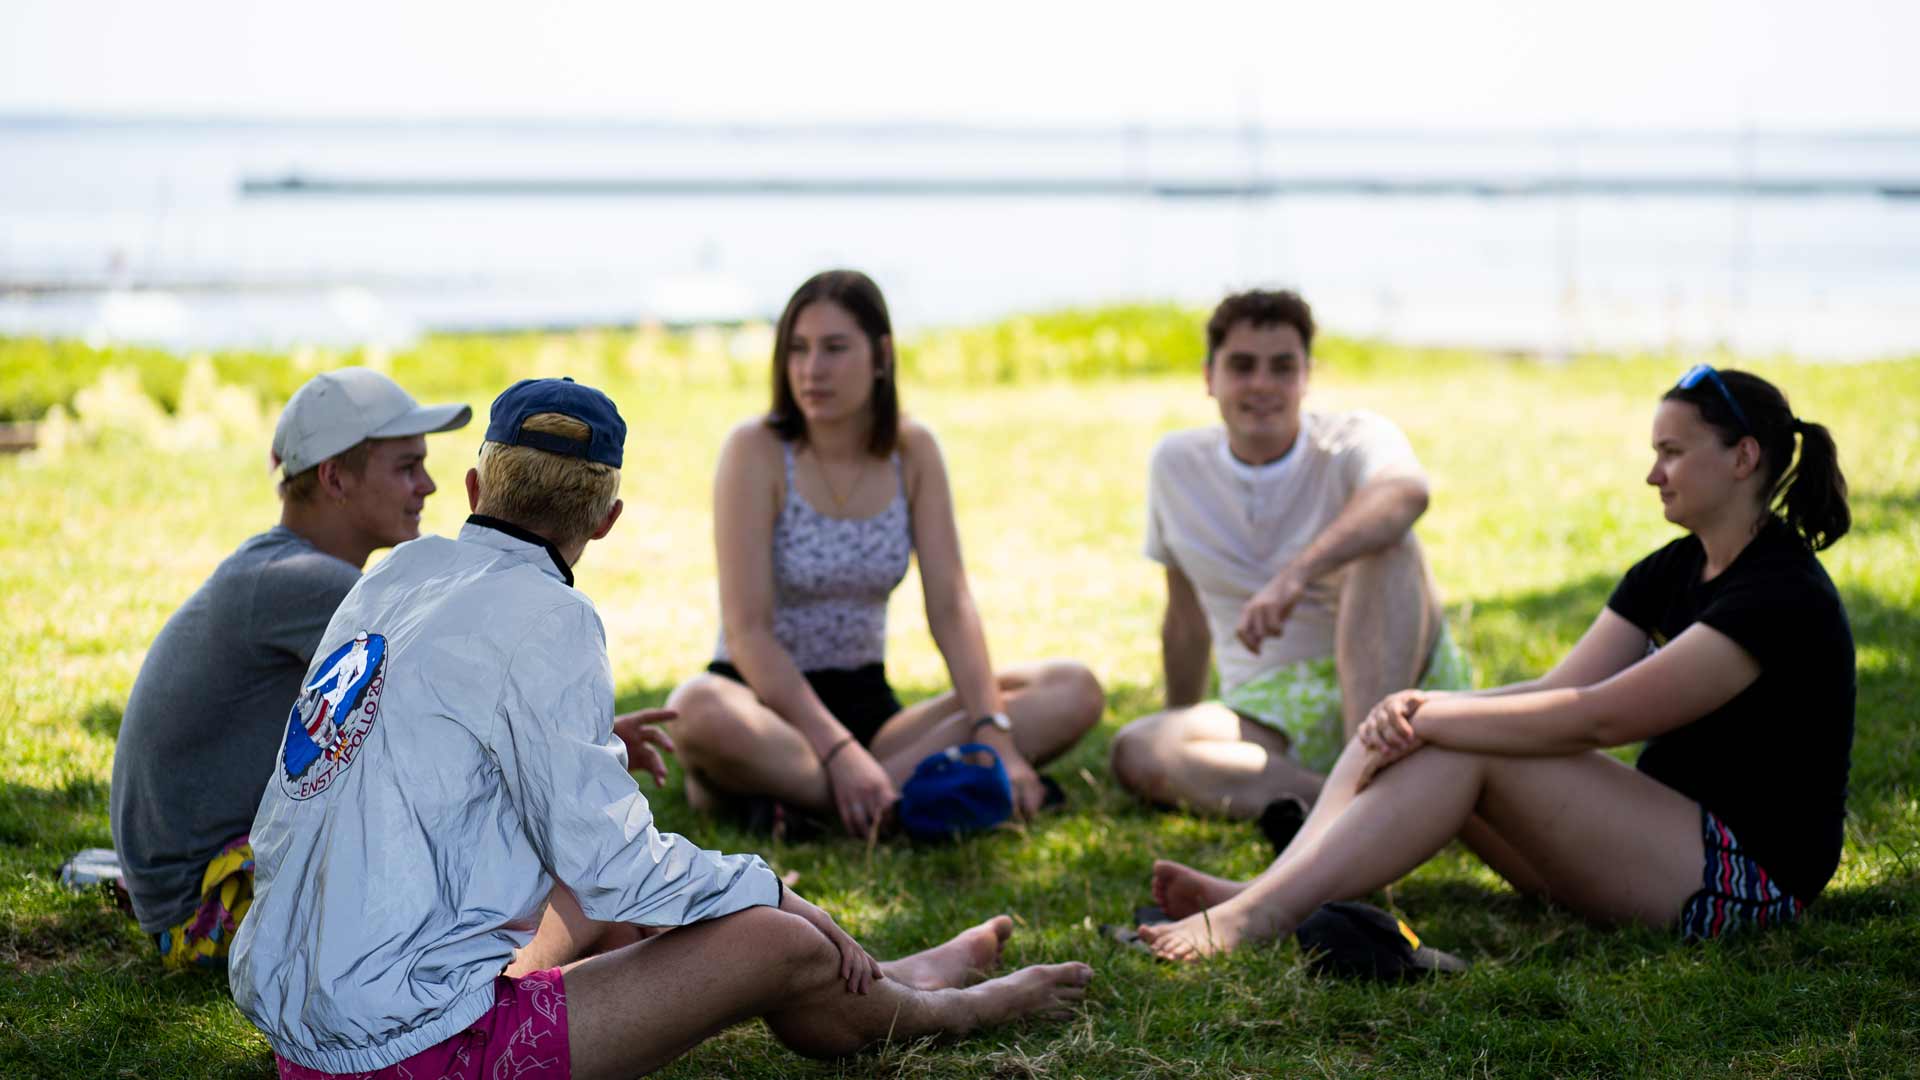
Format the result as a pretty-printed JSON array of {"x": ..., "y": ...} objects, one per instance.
[
  {"x": 1699, "y": 186},
  {"x": 897, "y": 128},
  {"x": 275, "y": 316},
  {"x": 214, "y": 232}
]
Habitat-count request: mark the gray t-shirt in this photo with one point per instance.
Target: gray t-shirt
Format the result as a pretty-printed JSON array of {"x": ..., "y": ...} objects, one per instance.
[{"x": 207, "y": 711}]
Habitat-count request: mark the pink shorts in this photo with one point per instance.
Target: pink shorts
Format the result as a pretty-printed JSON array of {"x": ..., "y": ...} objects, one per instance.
[{"x": 524, "y": 1036}]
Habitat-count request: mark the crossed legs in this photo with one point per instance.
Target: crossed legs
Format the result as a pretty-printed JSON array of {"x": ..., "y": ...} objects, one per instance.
[
  {"x": 1211, "y": 760},
  {"x": 1592, "y": 834},
  {"x": 636, "y": 1007},
  {"x": 732, "y": 744}
]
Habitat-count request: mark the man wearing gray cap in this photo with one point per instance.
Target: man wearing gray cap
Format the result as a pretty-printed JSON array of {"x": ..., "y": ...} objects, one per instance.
[{"x": 207, "y": 710}]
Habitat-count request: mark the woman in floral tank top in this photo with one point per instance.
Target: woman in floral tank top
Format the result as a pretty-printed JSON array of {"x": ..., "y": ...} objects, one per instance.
[{"x": 818, "y": 508}]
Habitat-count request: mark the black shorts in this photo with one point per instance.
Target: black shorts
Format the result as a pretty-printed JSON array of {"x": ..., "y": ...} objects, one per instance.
[{"x": 858, "y": 697}]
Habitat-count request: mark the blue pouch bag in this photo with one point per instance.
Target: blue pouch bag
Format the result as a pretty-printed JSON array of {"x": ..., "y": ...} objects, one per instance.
[{"x": 949, "y": 794}]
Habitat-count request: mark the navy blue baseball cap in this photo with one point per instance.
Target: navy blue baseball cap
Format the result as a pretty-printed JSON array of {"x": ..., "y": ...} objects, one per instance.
[
  {"x": 531, "y": 397},
  {"x": 950, "y": 794}
]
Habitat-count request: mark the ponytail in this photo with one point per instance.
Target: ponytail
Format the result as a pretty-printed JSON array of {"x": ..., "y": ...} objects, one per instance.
[
  {"x": 1812, "y": 495},
  {"x": 1809, "y": 494}
]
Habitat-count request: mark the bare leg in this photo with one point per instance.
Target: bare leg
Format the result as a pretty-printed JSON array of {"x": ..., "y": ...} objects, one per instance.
[
  {"x": 1052, "y": 704},
  {"x": 1608, "y": 842},
  {"x": 635, "y": 1009},
  {"x": 1389, "y": 618},
  {"x": 1181, "y": 890},
  {"x": 963, "y": 960},
  {"x": 731, "y": 744},
  {"x": 1210, "y": 760},
  {"x": 567, "y": 934},
  {"x": 1504, "y": 858}
]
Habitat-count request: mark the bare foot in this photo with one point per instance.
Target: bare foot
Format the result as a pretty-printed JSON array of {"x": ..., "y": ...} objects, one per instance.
[
  {"x": 963, "y": 960},
  {"x": 1182, "y": 891},
  {"x": 1046, "y": 991},
  {"x": 1206, "y": 933}
]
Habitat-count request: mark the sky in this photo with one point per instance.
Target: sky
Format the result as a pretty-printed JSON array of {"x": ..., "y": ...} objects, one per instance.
[{"x": 1463, "y": 64}]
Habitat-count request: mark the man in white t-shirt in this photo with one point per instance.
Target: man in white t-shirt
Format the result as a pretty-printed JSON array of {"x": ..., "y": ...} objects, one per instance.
[{"x": 1288, "y": 544}]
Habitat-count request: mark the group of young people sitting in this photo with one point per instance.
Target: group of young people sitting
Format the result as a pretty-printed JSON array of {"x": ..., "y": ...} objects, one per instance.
[{"x": 399, "y": 807}]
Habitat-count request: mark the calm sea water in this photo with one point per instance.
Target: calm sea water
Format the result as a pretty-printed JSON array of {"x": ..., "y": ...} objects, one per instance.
[{"x": 143, "y": 231}]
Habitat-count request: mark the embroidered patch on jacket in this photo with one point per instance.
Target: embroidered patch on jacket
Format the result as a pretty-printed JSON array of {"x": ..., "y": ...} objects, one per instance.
[{"x": 334, "y": 716}]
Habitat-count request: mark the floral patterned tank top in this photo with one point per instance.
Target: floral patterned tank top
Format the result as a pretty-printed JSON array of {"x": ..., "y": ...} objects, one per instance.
[{"x": 832, "y": 578}]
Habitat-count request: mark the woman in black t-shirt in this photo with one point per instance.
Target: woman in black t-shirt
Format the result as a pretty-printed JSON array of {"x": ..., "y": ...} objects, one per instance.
[{"x": 1727, "y": 651}]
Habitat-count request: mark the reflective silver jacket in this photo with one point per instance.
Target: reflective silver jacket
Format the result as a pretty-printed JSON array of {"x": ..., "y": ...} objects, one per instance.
[{"x": 451, "y": 756}]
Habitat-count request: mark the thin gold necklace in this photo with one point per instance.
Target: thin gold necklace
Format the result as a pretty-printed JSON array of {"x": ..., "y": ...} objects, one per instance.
[{"x": 860, "y": 473}]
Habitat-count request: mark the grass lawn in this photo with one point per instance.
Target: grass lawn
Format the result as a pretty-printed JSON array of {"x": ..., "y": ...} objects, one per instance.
[{"x": 1539, "y": 506}]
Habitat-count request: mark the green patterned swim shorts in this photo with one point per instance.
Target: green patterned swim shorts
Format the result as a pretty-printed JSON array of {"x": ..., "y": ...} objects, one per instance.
[{"x": 1302, "y": 700}]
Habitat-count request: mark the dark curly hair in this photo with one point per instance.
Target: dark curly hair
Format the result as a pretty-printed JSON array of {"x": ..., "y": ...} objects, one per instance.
[{"x": 1260, "y": 307}]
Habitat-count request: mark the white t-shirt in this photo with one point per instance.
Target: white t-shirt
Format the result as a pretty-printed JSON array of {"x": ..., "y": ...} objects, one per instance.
[{"x": 1230, "y": 527}]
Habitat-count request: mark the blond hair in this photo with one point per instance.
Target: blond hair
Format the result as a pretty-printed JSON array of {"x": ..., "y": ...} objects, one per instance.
[{"x": 562, "y": 498}]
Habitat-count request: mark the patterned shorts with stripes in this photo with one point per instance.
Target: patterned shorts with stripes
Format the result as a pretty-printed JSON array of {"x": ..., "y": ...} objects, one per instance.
[{"x": 1735, "y": 891}]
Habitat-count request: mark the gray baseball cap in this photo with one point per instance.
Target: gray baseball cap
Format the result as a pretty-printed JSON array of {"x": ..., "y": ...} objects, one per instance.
[{"x": 337, "y": 410}]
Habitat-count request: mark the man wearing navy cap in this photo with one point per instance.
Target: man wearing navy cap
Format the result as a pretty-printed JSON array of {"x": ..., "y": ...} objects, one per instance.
[
  {"x": 451, "y": 780},
  {"x": 206, "y": 711}
]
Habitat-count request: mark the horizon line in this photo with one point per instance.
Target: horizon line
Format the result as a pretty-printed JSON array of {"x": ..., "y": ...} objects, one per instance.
[
  {"x": 943, "y": 127},
  {"x": 300, "y": 185}
]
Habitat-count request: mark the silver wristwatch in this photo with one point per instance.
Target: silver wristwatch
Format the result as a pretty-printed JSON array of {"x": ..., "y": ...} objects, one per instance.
[{"x": 999, "y": 720}]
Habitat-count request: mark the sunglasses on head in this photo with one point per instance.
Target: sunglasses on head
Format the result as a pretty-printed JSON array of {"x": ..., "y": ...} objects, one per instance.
[{"x": 1699, "y": 373}]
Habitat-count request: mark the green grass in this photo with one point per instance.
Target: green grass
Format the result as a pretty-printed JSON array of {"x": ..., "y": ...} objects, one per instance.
[{"x": 1539, "y": 505}]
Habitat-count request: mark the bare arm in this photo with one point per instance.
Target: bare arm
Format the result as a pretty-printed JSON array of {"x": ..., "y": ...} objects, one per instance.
[
  {"x": 1608, "y": 647},
  {"x": 1696, "y": 673},
  {"x": 746, "y": 499},
  {"x": 1379, "y": 515},
  {"x": 951, "y": 613},
  {"x": 1185, "y": 642}
]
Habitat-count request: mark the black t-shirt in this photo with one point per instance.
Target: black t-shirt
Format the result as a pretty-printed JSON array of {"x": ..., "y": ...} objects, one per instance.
[{"x": 1771, "y": 763}]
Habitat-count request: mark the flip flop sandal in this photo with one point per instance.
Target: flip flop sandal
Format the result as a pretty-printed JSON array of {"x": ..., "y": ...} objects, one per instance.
[
  {"x": 1125, "y": 935},
  {"x": 1150, "y": 915}
]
